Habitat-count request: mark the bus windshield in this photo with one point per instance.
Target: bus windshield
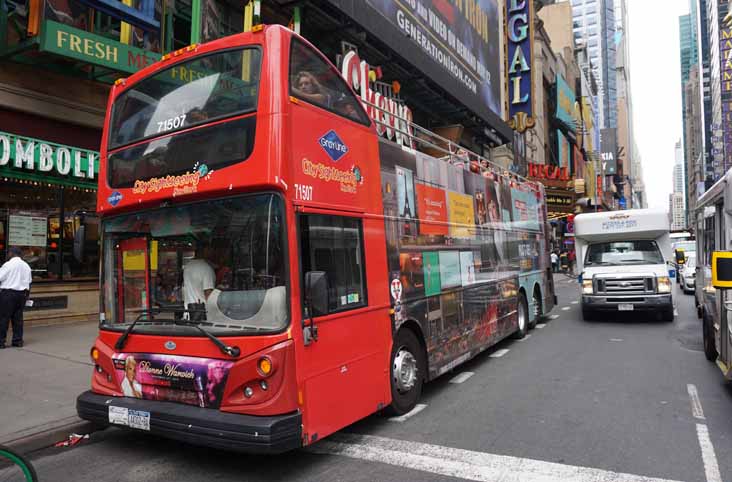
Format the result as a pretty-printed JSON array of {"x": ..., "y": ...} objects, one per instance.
[
  {"x": 621, "y": 253},
  {"x": 189, "y": 93},
  {"x": 220, "y": 262}
]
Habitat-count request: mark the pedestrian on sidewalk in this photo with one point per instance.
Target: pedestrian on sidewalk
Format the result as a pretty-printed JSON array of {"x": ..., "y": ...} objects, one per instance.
[
  {"x": 555, "y": 262},
  {"x": 15, "y": 281}
]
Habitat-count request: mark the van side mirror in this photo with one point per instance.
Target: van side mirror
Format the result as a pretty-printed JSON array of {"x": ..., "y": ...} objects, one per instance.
[
  {"x": 316, "y": 292},
  {"x": 722, "y": 269},
  {"x": 680, "y": 256},
  {"x": 79, "y": 242}
]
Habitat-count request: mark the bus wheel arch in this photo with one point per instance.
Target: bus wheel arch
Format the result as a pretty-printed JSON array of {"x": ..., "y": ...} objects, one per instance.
[
  {"x": 537, "y": 306},
  {"x": 407, "y": 368}
]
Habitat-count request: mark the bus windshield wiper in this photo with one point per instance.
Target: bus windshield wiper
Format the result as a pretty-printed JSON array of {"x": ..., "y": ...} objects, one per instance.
[
  {"x": 232, "y": 351},
  {"x": 122, "y": 339}
]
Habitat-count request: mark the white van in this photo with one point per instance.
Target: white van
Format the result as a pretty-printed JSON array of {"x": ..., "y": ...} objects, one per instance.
[{"x": 623, "y": 258}]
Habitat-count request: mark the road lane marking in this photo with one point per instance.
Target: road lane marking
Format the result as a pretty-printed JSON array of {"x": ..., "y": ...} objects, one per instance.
[
  {"x": 501, "y": 352},
  {"x": 460, "y": 463},
  {"x": 462, "y": 377},
  {"x": 403, "y": 418},
  {"x": 711, "y": 468},
  {"x": 575, "y": 302},
  {"x": 616, "y": 339},
  {"x": 696, "y": 406},
  {"x": 525, "y": 338},
  {"x": 676, "y": 312},
  {"x": 566, "y": 308},
  {"x": 540, "y": 325},
  {"x": 553, "y": 317}
]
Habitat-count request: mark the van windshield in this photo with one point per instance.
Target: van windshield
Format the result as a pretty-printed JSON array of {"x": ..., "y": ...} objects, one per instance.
[{"x": 621, "y": 253}]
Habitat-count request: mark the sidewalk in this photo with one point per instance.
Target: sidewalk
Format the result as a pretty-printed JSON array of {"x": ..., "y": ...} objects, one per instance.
[{"x": 40, "y": 383}]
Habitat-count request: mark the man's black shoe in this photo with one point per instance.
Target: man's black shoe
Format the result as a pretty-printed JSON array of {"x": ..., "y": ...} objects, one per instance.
[
  {"x": 18, "y": 344},
  {"x": 2, "y": 346}
]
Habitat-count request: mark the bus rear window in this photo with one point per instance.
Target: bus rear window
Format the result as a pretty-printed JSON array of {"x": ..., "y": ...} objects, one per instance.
[{"x": 189, "y": 93}]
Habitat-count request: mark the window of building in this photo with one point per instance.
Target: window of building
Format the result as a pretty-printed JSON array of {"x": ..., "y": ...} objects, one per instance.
[
  {"x": 334, "y": 244},
  {"x": 314, "y": 80}
]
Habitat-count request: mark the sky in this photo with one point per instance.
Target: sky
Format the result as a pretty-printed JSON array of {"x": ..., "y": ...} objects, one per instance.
[{"x": 656, "y": 90}]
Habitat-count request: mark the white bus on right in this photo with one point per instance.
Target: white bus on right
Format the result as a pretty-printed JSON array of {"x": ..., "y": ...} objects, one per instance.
[
  {"x": 624, "y": 261},
  {"x": 713, "y": 259}
]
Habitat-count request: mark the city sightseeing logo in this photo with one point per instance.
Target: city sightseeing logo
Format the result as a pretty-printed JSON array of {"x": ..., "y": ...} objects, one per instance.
[{"x": 183, "y": 184}]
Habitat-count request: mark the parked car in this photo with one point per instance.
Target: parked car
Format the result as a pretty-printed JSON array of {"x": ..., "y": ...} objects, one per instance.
[{"x": 687, "y": 274}]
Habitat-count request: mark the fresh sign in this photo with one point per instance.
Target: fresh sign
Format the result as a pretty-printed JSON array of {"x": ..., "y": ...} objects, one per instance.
[{"x": 78, "y": 44}]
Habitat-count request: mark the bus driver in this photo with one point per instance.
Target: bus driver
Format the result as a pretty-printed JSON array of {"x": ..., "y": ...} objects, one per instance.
[{"x": 198, "y": 281}]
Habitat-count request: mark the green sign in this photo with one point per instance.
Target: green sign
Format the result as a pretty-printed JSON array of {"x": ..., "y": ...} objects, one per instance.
[
  {"x": 61, "y": 39},
  {"x": 38, "y": 160}
]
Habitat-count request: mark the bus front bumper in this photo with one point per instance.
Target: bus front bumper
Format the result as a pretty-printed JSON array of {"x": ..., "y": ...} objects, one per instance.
[{"x": 202, "y": 426}]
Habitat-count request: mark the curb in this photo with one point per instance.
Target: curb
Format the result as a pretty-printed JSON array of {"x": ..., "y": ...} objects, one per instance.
[{"x": 46, "y": 435}]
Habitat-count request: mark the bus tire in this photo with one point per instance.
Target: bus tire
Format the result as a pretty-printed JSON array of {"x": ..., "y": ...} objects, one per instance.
[
  {"x": 710, "y": 350},
  {"x": 587, "y": 315},
  {"x": 408, "y": 370},
  {"x": 523, "y": 317},
  {"x": 538, "y": 308}
]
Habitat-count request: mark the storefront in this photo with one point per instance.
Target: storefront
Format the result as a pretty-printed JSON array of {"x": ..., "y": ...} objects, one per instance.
[{"x": 47, "y": 208}]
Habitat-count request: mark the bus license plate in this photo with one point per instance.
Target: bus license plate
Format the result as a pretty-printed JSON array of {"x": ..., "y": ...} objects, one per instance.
[
  {"x": 625, "y": 307},
  {"x": 130, "y": 418},
  {"x": 139, "y": 419}
]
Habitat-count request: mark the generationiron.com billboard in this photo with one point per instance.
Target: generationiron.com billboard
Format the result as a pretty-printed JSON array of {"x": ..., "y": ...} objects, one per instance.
[{"x": 455, "y": 44}]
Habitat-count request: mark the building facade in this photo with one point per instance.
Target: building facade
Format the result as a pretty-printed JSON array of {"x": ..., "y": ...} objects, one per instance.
[
  {"x": 594, "y": 23},
  {"x": 59, "y": 58}
]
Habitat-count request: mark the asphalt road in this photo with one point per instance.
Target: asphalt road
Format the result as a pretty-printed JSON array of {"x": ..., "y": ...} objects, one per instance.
[{"x": 604, "y": 400}]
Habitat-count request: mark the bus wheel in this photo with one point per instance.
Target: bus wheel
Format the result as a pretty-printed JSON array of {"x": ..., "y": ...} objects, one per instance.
[
  {"x": 538, "y": 310},
  {"x": 408, "y": 371},
  {"x": 710, "y": 351},
  {"x": 523, "y": 317}
]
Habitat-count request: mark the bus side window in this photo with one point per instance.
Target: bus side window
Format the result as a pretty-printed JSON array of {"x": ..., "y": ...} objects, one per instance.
[
  {"x": 334, "y": 244},
  {"x": 314, "y": 80}
]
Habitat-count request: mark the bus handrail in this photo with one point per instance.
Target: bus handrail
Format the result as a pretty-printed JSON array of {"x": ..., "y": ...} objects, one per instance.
[{"x": 497, "y": 168}]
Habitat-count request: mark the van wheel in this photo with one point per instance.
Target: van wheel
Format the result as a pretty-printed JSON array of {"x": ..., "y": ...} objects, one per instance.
[
  {"x": 408, "y": 372},
  {"x": 538, "y": 308},
  {"x": 587, "y": 315},
  {"x": 523, "y": 317},
  {"x": 668, "y": 314},
  {"x": 710, "y": 351}
]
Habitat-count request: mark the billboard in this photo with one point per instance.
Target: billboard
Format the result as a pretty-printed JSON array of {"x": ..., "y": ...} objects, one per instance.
[
  {"x": 455, "y": 44},
  {"x": 609, "y": 149},
  {"x": 565, "y": 104}
]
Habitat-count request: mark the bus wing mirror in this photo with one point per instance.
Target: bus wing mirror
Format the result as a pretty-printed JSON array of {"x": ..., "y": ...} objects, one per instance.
[
  {"x": 316, "y": 292},
  {"x": 79, "y": 241},
  {"x": 722, "y": 269},
  {"x": 680, "y": 256}
]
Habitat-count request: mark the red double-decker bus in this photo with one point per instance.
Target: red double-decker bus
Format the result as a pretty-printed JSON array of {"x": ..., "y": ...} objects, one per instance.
[{"x": 282, "y": 256}]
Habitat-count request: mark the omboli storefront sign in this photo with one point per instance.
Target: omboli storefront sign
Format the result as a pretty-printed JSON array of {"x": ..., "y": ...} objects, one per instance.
[
  {"x": 519, "y": 59},
  {"x": 38, "y": 160},
  {"x": 66, "y": 41}
]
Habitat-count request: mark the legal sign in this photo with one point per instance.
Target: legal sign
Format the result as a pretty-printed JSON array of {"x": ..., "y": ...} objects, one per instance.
[
  {"x": 66, "y": 41},
  {"x": 519, "y": 59}
]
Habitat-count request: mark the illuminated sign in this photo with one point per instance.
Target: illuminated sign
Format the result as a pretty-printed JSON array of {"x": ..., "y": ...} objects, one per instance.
[
  {"x": 519, "y": 58},
  {"x": 549, "y": 172},
  {"x": 18, "y": 154},
  {"x": 392, "y": 118}
]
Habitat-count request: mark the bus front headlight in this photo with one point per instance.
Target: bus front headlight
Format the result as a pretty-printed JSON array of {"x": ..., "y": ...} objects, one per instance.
[
  {"x": 587, "y": 287},
  {"x": 664, "y": 284}
]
